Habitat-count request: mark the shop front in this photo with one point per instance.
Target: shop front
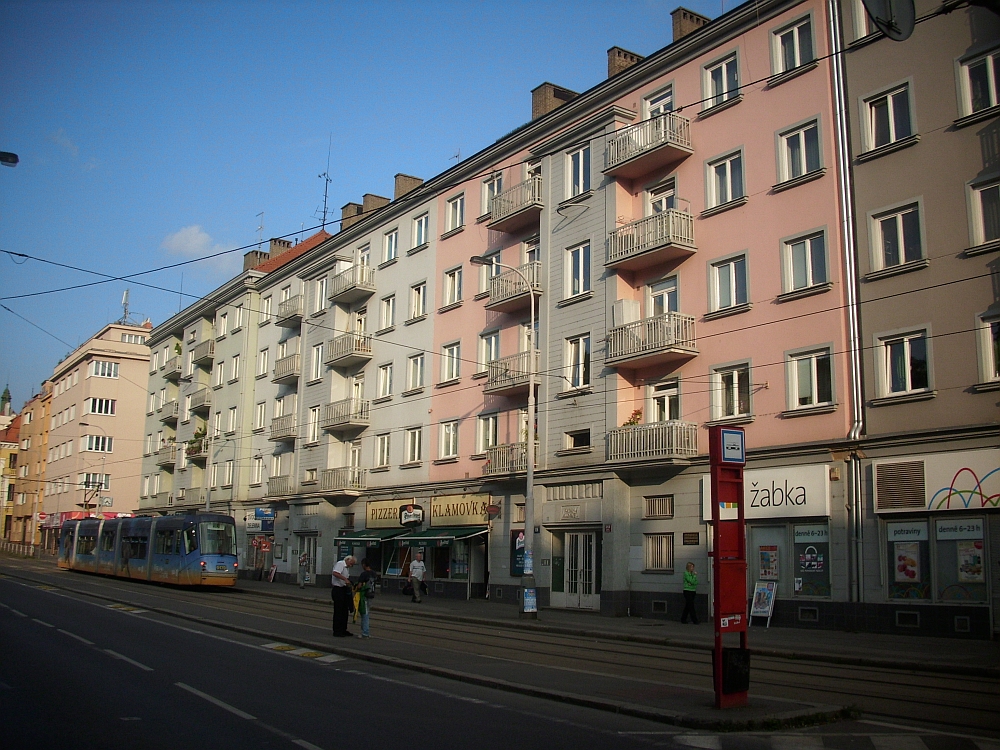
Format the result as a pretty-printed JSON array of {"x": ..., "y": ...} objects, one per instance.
[
  {"x": 374, "y": 545},
  {"x": 259, "y": 551},
  {"x": 575, "y": 531}
]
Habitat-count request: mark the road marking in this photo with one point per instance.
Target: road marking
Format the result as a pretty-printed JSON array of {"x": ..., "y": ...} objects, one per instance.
[
  {"x": 306, "y": 745},
  {"x": 446, "y": 694},
  {"x": 216, "y": 701},
  {"x": 45, "y": 587},
  {"x": 78, "y": 637},
  {"x": 280, "y": 647},
  {"x": 126, "y": 608},
  {"x": 797, "y": 742},
  {"x": 16, "y": 612},
  {"x": 330, "y": 658},
  {"x": 990, "y": 741},
  {"x": 42, "y": 622},
  {"x": 133, "y": 662},
  {"x": 897, "y": 742},
  {"x": 705, "y": 741}
]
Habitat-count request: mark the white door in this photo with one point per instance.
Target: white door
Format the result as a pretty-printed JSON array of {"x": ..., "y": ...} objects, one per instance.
[{"x": 581, "y": 551}]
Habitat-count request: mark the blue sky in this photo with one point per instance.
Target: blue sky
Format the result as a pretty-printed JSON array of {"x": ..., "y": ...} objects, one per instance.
[{"x": 153, "y": 132}]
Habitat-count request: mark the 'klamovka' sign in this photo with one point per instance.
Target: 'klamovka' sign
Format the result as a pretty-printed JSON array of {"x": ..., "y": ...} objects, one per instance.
[
  {"x": 447, "y": 510},
  {"x": 788, "y": 492}
]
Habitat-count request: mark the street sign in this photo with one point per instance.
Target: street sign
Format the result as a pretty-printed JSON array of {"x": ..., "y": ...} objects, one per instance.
[
  {"x": 42, "y": 516},
  {"x": 107, "y": 502}
]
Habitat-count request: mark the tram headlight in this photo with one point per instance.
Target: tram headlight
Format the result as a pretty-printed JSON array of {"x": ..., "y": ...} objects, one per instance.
[{"x": 203, "y": 565}]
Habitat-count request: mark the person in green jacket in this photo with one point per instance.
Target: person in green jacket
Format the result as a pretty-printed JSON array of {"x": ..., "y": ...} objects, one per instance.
[{"x": 690, "y": 587}]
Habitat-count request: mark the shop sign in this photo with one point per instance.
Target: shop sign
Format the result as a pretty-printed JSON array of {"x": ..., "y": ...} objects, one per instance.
[
  {"x": 517, "y": 553},
  {"x": 264, "y": 513},
  {"x": 911, "y": 531},
  {"x": 812, "y": 533},
  {"x": 786, "y": 492},
  {"x": 411, "y": 515},
  {"x": 459, "y": 510},
  {"x": 971, "y": 528},
  {"x": 768, "y": 570},
  {"x": 382, "y": 514},
  {"x": 254, "y": 525}
]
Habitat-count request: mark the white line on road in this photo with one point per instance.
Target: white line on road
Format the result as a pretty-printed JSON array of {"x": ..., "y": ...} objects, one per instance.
[
  {"x": 5, "y": 686},
  {"x": 16, "y": 612},
  {"x": 133, "y": 662},
  {"x": 926, "y": 730},
  {"x": 306, "y": 745},
  {"x": 216, "y": 701},
  {"x": 897, "y": 742},
  {"x": 74, "y": 635},
  {"x": 42, "y": 622}
]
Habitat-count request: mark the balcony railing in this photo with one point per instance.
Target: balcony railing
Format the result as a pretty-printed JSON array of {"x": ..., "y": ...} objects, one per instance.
[
  {"x": 345, "y": 414},
  {"x": 508, "y": 290},
  {"x": 287, "y": 369},
  {"x": 172, "y": 368},
  {"x": 163, "y": 499},
  {"x": 356, "y": 283},
  {"x": 641, "y": 148},
  {"x": 193, "y": 497},
  {"x": 658, "y": 238},
  {"x": 662, "y": 338},
  {"x": 283, "y": 428},
  {"x": 166, "y": 456},
  {"x": 345, "y": 479},
  {"x": 348, "y": 349},
  {"x": 169, "y": 411},
  {"x": 518, "y": 206},
  {"x": 508, "y": 375},
  {"x": 201, "y": 399},
  {"x": 278, "y": 486},
  {"x": 507, "y": 459},
  {"x": 656, "y": 440},
  {"x": 290, "y": 312},
  {"x": 204, "y": 353},
  {"x": 197, "y": 450}
]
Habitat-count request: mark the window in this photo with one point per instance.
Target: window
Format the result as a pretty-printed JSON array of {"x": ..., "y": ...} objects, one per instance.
[
  {"x": 455, "y": 216},
  {"x": 578, "y": 361},
  {"x": 382, "y": 450},
  {"x": 103, "y": 369},
  {"x": 390, "y": 245},
  {"x": 449, "y": 439},
  {"x": 265, "y": 310},
  {"x": 227, "y": 473},
  {"x": 217, "y": 424},
  {"x": 257, "y": 470},
  {"x": 662, "y": 297},
  {"x": 320, "y": 302},
  {"x": 722, "y": 81},
  {"x": 316, "y": 364},
  {"x": 133, "y": 338},
  {"x": 231, "y": 422},
  {"x": 451, "y": 361},
  {"x": 799, "y": 152},
  {"x": 282, "y": 349},
  {"x": 262, "y": 357},
  {"x": 487, "y": 432},
  {"x": 661, "y": 198},
  {"x": 415, "y": 372},
  {"x": 888, "y": 118},
  {"x": 235, "y": 371},
  {"x": 805, "y": 262},
  {"x": 102, "y": 406},
  {"x": 420, "y": 226},
  {"x": 313, "y": 424},
  {"x": 578, "y": 270},
  {"x": 810, "y": 379},
  {"x": 418, "y": 300},
  {"x": 148, "y": 445},
  {"x": 731, "y": 392},
  {"x": 897, "y": 237},
  {"x": 452, "y": 286},
  {"x": 906, "y": 363},
  {"x": 986, "y": 212},
  {"x": 729, "y": 283},
  {"x": 579, "y": 171},
  {"x": 222, "y": 325},
  {"x": 388, "y": 319},
  {"x": 989, "y": 348},
  {"x": 361, "y": 320},
  {"x": 189, "y": 363},
  {"x": 214, "y": 475},
  {"x": 385, "y": 380},
  {"x": 578, "y": 439},
  {"x": 414, "y": 450},
  {"x": 96, "y": 443},
  {"x": 219, "y": 376},
  {"x": 489, "y": 349},
  {"x": 658, "y": 506},
  {"x": 725, "y": 180},
  {"x": 664, "y": 402},
  {"x": 492, "y": 187},
  {"x": 660, "y": 103},
  {"x": 793, "y": 46},
  {"x": 364, "y": 255},
  {"x": 238, "y": 317},
  {"x": 659, "y": 552},
  {"x": 981, "y": 76},
  {"x": 276, "y": 466},
  {"x": 186, "y": 408},
  {"x": 259, "y": 415},
  {"x": 489, "y": 271},
  {"x": 286, "y": 293},
  {"x": 96, "y": 481}
]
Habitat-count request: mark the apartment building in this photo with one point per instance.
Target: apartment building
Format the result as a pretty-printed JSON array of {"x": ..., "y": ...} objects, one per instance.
[
  {"x": 29, "y": 487},
  {"x": 9, "y": 447}
]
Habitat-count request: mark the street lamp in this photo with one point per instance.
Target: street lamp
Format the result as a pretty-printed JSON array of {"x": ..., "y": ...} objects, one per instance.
[{"x": 529, "y": 603}]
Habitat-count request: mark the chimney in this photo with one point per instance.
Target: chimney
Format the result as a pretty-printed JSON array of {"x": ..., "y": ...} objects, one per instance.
[
  {"x": 279, "y": 246},
  {"x": 621, "y": 59},
  {"x": 548, "y": 97},
  {"x": 404, "y": 184},
  {"x": 687, "y": 21},
  {"x": 254, "y": 258},
  {"x": 349, "y": 214},
  {"x": 371, "y": 202}
]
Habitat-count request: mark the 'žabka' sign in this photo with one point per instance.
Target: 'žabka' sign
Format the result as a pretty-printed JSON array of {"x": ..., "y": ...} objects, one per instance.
[
  {"x": 790, "y": 492},
  {"x": 382, "y": 514},
  {"x": 459, "y": 510}
]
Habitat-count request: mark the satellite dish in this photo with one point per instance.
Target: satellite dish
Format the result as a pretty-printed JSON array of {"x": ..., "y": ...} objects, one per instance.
[{"x": 894, "y": 18}]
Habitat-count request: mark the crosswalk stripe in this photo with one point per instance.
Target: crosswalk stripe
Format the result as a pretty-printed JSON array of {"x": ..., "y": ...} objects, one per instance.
[
  {"x": 330, "y": 658},
  {"x": 305, "y": 653}
]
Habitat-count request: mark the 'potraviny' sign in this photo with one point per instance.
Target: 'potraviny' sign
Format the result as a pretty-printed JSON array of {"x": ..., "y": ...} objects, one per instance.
[
  {"x": 786, "y": 492},
  {"x": 459, "y": 510}
]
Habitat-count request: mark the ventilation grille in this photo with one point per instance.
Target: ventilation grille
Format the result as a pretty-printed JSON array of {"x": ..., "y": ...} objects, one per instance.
[
  {"x": 659, "y": 607},
  {"x": 808, "y": 614},
  {"x": 900, "y": 485},
  {"x": 584, "y": 491},
  {"x": 963, "y": 624},
  {"x": 907, "y": 619}
]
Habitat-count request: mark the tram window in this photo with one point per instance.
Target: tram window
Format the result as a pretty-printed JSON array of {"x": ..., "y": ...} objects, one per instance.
[
  {"x": 134, "y": 547},
  {"x": 190, "y": 541},
  {"x": 218, "y": 538},
  {"x": 108, "y": 540},
  {"x": 164, "y": 542},
  {"x": 85, "y": 545}
]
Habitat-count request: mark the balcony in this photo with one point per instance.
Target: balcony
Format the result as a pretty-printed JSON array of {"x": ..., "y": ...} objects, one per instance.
[
  {"x": 283, "y": 428},
  {"x": 651, "y": 341},
  {"x": 649, "y": 441},
  {"x": 172, "y": 369},
  {"x": 280, "y": 486},
  {"x": 642, "y": 148},
  {"x": 509, "y": 375},
  {"x": 517, "y": 207},
  {"x": 201, "y": 399},
  {"x": 197, "y": 449},
  {"x": 287, "y": 369},
  {"x": 193, "y": 498},
  {"x": 508, "y": 292},
  {"x": 348, "y": 349},
  {"x": 347, "y": 480},
  {"x": 204, "y": 353},
  {"x": 507, "y": 459},
  {"x": 169, "y": 411},
  {"x": 166, "y": 457},
  {"x": 354, "y": 284},
  {"x": 348, "y": 414},
  {"x": 290, "y": 312},
  {"x": 659, "y": 238},
  {"x": 163, "y": 499}
]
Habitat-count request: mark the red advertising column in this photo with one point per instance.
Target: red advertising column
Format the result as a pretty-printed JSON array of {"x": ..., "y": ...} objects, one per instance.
[{"x": 731, "y": 666}]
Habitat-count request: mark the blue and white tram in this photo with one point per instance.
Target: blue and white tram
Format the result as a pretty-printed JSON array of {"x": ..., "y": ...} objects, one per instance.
[{"x": 189, "y": 550}]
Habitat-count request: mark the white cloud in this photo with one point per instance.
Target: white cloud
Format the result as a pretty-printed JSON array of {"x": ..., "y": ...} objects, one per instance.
[
  {"x": 195, "y": 242},
  {"x": 61, "y": 139}
]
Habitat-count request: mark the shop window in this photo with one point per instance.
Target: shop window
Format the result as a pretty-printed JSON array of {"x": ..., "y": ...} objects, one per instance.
[
  {"x": 909, "y": 559},
  {"x": 960, "y": 573},
  {"x": 812, "y": 560},
  {"x": 460, "y": 560}
]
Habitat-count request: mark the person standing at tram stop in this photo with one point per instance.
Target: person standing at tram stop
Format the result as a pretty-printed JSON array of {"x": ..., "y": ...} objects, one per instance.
[
  {"x": 366, "y": 587},
  {"x": 417, "y": 571},
  {"x": 342, "y": 594},
  {"x": 303, "y": 569},
  {"x": 690, "y": 587}
]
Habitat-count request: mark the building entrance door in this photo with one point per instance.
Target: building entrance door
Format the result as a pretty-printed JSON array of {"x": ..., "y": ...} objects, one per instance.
[
  {"x": 307, "y": 544},
  {"x": 580, "y": 579}
]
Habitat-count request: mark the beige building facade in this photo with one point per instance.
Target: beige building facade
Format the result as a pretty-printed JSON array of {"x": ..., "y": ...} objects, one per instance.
[{"x": 29, "y": 486}]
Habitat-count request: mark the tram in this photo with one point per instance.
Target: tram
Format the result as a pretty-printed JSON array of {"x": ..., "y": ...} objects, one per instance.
[{"x": 187, "y": 550}]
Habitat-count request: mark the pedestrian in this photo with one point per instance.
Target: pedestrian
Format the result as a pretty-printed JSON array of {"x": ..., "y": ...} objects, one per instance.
[
  {"x": 417, "y": 570},
  {"x": 690, "y": 587},
  {"x": 341, "y": 594},
  {"x": 303, "y": 569},
  {"x": 366, "y": 589}
]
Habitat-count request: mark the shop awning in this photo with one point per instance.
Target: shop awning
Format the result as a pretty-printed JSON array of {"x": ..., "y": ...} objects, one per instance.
[
  {"x": 440, "y": 537},
  {"x": 366, "y": 536}
]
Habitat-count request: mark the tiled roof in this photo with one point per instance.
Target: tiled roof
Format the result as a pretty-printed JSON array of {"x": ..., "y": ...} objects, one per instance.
[
  {"x": 294, "y": 252},
  {"x": 10, "y": 435}
]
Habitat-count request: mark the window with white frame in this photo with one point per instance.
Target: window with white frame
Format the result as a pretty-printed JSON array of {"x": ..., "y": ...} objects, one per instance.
[
  {"x": 382, "y": 450},
  {"x": 259, "y": 415},
  {"x": 722, "y": 81},
  {"x": 981, "y": 77},
  {"x": 148, "y": 445},
  {"x": 725, "y": 180},
  {"x": 487, "y": 433},
  {"x": 455, "y": 213},
  {"x": 731, "y": 391},
  {"x": 282, "y": 349},
  {"x": 320, "y": 302},
  {"x": 662, "y": 297},
  {"x": 257, "y": 470},
  {"x": 489, "y": 271},
  {"x": 729, "y": 283},
  {"x": 219, "y": 376},
  {"x": 388, "y": 312},
  {"x": 578, "y": 361},
  {"x": 145, "y": 486},
  {"x": 222, "y": 324},
  {"x": 529, "y": 251},
  {"x": 896, "y": 237},
  {"x": 986, "y": 212},
  {"x": 160, "y": 401},
  {"x": 231, "y": 423},
  {"x": 799, "y": 152},
  {"x": 413, "y": 445},
  {"x": 660, "y": 102},
  {"x": 989, "y": 348},
  {"x": 492, "y": 187},
  {"x": 313, "y": 431},
  {"x": 579, "y": 171},
  {"x": 421, "y": 225},
  {"x": 452, "y": 286},
  {"x": 189, "y": 363},
  {"x": 360, "y": 321},
  {"x": 238, "y": 317},
  {"x": 101, "y": 406},
  {"x": 810, "y": 379},
  {"x": 265, "y": 309},
  {"x": 99, "y": 369},
  {"x": 664, "y": 402},
  {"x": 316, "y": 363},
  {"x": 905, "y": 361},
  {"x": 97, "y": 443},
  {"x": 385, "y": 380},
  {"x": 888, "y": 116},
  {"x": 227, "y": 473},
  {"x": 659, "y": 552},
  {"x": 415, "y": 372},
  {"x": 365, "y": 255},
  {"x": 186, "y": 408},
  {"x": 235, "y": 370},
  {"x": 286, "y": 293},
  {"x": 418, "y": 300},
  {"x": 805, "y": 262},
  {"x": 449, "y": 439},
  {"x": 661, "y": 198},
  {"x": 217, "y": 424},
  {"x": 863, "y": 24},
  {"x": 390, "y": 245},
  {"x": 262, "y": 357},
  {"x": 489, "y": 349},
  {"x": 793, "y": 45},
  {"x": 451, "y": 361},
  {"x": 578, "y": 270},
  {"x": 276, "y": 462}
]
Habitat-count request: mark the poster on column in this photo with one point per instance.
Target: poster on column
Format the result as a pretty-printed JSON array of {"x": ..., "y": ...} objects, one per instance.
[
  {"x": 768, "y": 563},
  {"x": 970, "y": 561},
  {"x": 907, "y": 562}
]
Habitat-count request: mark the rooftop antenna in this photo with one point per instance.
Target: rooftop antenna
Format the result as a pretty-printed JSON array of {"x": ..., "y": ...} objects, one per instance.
[
  {"x": 457, "y": 157},
  {"x": 260, "y": 231},
  {"x": 126, "y": 319},
  {"x": 325, "y": 176}
]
